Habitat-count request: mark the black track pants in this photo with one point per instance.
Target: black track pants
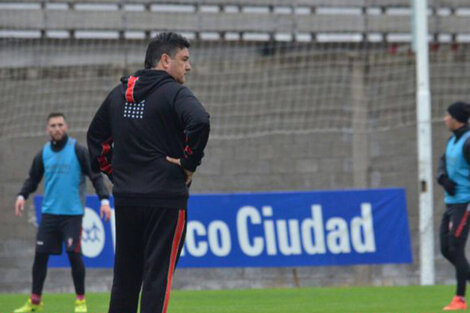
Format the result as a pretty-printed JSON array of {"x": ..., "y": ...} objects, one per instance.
[
  {"x": 453, "y": 235},
  {"x": 78, "y": 272},
  {"x": 148, "y": 245},
  {"x": 39, "y": 272}
]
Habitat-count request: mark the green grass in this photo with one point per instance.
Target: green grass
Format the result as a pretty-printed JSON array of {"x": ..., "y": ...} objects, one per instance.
[{"x": 411, "y": 299}]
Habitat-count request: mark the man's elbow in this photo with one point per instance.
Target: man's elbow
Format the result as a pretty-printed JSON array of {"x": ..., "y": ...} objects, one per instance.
[
  {"x": 204, "y": 122},
  {"x": 200, "y": 123}
]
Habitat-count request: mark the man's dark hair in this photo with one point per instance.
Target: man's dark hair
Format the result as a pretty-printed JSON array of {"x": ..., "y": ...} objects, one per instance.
[
  {"x": 168, "y": 43},
  {"x": 55, "y": 114}
]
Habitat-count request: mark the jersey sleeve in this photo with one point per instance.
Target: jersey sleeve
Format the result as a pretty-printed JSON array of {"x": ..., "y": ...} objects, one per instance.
[
  {"x": 35, "y": 175},
  {"x": 100, "y": 140},
  {"x": 466, "y": 150},
  {"x": 196, "y": 123}
]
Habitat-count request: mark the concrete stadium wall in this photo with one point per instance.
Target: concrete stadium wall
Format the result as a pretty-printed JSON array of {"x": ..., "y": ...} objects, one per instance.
[{"x": 314, "y": 161}]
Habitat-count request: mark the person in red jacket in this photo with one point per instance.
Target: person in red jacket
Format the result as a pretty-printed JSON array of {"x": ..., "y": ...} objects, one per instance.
[{"x": 149, "y": 137}]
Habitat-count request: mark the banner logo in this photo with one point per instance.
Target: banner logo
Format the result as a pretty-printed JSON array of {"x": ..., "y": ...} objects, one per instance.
[{"x": 93, "y": 235}]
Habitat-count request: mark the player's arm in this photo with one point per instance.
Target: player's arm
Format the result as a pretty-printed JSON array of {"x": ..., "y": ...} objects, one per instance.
[
  {"x": 466, "y": 150},
  {"x": 31, "y": 183},
  {"x": 196, "y": 123},
  {"x": 442, "y": 177},
  {"x": 100, "y": 140},
  {"x": 441, "y": 169}
]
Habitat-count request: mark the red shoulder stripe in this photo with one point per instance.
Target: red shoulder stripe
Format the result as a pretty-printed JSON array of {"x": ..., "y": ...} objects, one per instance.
[{"x": 130, "y": 89}]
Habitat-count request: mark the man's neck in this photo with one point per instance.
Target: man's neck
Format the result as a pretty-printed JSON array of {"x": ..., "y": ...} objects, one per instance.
[{"x": 58, "y": 145}]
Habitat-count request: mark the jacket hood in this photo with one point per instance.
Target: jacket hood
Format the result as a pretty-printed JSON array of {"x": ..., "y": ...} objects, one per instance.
[{"x": 143, "y": 82}]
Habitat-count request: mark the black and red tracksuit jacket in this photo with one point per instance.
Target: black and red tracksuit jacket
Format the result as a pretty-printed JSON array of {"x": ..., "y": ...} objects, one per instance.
[{"x": 146, "y": 118}]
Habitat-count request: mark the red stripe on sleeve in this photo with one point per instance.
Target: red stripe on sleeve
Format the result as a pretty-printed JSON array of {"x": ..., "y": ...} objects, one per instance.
[
  {"x": 187, "y": 149},
  {"x": 102, "y": 160}
]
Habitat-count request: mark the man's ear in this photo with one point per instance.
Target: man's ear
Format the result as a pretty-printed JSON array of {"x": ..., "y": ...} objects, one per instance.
[{"x": 165, "y": 60}]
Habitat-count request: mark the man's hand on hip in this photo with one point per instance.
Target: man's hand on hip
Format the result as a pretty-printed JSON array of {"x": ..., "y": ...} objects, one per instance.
[{"x": 189, "y": 174}]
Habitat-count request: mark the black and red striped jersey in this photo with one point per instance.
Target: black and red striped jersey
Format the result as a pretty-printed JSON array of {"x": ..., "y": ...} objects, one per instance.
[{"x": 146, "y": 118}]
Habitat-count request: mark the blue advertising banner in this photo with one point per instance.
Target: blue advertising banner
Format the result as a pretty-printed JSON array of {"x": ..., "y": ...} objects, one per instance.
[{"x": 275, "y": 229}]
